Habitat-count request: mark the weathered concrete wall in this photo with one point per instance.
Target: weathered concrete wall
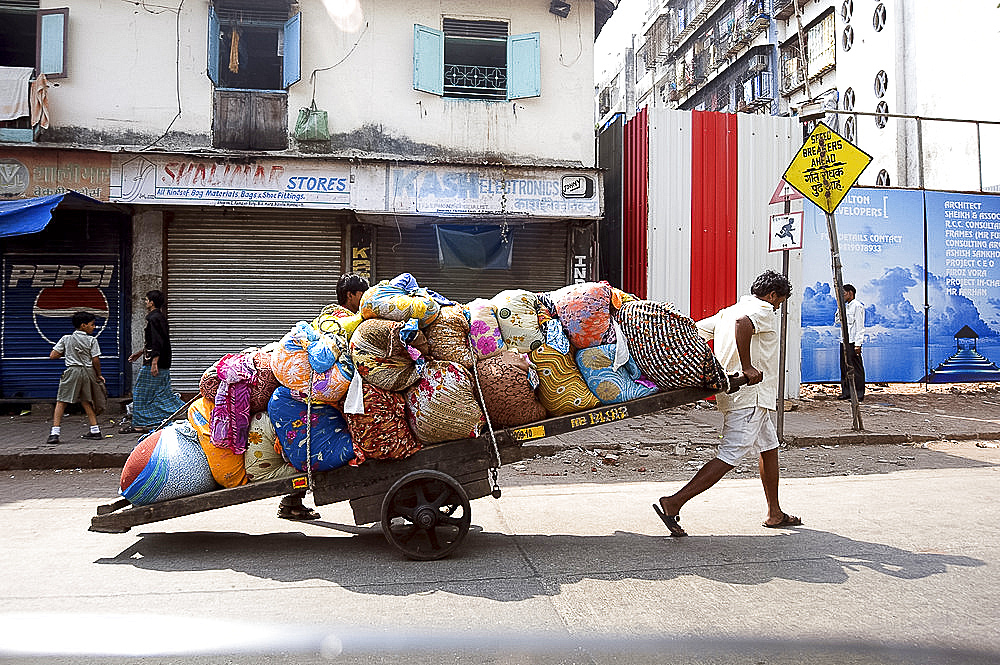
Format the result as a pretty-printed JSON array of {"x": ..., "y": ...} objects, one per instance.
[
  {"x": 147, "y": 267},
  {"x": 123, "y": 87}
]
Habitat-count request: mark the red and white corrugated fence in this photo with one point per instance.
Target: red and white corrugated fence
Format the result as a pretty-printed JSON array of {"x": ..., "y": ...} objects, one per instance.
[{"x": 696, "y": 192}]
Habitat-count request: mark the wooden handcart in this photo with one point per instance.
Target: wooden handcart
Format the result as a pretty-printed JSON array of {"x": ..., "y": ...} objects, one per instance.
[{"x": 422, "y": 501}]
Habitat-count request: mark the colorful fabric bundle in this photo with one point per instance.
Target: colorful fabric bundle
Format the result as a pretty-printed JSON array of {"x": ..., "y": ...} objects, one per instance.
[
  {"x": 305, "y": 352},
  {"x": 382, "y": 357},
  {"x": 506, "y": 390},
  {"x": 484, "y": 329},
  {"x": 609, "y": 385},
  {"x": 381, "y": 431},
  {"x": 666, "y": 346},
  {"x": 442, "y": 406},
  {"x": 226, "y": 466},
  {"x": 448, "y": 337},
  {"x": 517, "y": 316},
  {"x": 167, "y": 464},
  {"x": 337, "y": 320},
  {"x": 262, "y": 383},
  {"x": 561, "y": 389},
  {"x": 401, "y": 299},
  {"x": 231, "y": 415},
  {"x": 262, "y": 459},
  {"x": 585, "y": 312},
  {"x": 329, "y": 442}
]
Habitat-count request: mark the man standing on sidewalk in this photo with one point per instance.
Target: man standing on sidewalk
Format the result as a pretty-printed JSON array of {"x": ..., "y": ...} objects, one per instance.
[
  {"x": 850, "y": 353},
  {"x": 747, "y": 340}
]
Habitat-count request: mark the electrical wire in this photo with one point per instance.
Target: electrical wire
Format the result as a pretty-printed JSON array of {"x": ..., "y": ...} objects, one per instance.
[
  {"x": 177, "y": 77},
  {"x": 312, "y": 76}
]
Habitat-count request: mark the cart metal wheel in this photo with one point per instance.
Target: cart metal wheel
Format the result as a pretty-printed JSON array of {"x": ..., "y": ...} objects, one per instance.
[{"x": 425, "y": 515}]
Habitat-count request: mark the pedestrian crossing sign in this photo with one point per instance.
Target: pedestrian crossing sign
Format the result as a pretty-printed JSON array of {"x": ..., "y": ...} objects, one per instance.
[
  {"x": 786, "y": 232},
  {"x": 826, "y": 167}
]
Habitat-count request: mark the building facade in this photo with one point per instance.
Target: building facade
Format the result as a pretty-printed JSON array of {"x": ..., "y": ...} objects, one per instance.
[{"x": 241, "y": 154}]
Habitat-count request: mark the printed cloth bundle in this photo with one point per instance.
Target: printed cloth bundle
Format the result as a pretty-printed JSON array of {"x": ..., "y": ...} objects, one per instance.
[
  {"x": 167, "y": 464},
  {"x": 484, "y": 329},
  {"x": 387, "y": 354},
  {"x": 401, "y": 299},
  {"x": 506, "y": 385},
  {"x": 262, "y": 383},
  {"x": 305, "y": 352},
  {"x": 442, "y": 406},
  {"x": 231, "y": 415},
  {"x": 448, "y": 337},
  {"x": 610, "y": 385},
  {"x": 329, "y": 441},
  {"x": 561, "y": 388},
  {"x": 337, "y": 320},
  {"x": 666, "y": 346},
  {"x": 262, "y": 459},
  {"x": 381, "y": 431},
  {"x": 226, "y": 465},
  {"x": 584, "y": 310},
  {"x": 517, "y": 315}
]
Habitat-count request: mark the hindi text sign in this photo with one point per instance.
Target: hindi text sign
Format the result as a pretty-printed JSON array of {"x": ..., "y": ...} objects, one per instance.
[{"x": 826, "y": 167}]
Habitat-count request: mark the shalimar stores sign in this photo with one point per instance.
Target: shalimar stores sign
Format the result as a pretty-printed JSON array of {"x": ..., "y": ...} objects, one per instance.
[{"x": 407, "y": 190}]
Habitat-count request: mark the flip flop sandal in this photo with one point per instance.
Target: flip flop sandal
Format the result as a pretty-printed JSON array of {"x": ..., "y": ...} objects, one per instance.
[
  {"x": 297, "y": 513},
  {"x": 786, "y": 521},
  {"x": 671, "y": 521}
]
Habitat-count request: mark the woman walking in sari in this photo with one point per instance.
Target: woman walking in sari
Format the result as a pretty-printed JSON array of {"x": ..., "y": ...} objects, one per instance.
[{"x": 153, "y": 398}]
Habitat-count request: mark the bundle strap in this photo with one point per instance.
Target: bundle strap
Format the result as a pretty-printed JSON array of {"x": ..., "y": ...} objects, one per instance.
[
  {"x": 309, "y": 403},
  {"x": 489, "y": 425}
]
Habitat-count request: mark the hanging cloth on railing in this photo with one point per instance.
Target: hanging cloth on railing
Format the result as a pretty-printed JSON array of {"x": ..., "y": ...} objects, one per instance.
[{"x": 234, "y": 52}]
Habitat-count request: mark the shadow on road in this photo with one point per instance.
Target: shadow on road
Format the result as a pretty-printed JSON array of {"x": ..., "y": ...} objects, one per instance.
[{"x": 516, "y": 567}]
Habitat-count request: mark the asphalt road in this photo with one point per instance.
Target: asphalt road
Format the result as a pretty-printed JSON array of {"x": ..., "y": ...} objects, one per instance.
[{"x": 896, "y": 567}]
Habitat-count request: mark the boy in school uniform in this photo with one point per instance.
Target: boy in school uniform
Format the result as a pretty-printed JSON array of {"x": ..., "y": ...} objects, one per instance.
[{"x": 83, "y": 366}]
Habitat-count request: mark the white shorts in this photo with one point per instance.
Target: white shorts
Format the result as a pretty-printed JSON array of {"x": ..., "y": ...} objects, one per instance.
[{"x": 745, "y": 431}]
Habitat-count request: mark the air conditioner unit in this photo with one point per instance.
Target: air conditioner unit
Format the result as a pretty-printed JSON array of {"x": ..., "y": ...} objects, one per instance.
[{"x": 758, "y": 63}]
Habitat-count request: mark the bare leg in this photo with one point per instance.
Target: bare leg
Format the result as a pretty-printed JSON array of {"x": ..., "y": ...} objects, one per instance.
[
  {"x": 57, "y": 414},
  {"x": 769, "y": 478},
  {"x": 89, "y": 409},
  {"x": 708, "y": 475}
]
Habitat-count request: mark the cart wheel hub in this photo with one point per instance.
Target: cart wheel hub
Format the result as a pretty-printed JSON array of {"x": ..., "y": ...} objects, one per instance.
[{"x": 425, "y": 518}]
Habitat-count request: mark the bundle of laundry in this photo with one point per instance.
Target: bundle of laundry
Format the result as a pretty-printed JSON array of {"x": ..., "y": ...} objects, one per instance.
[
  {"x": 484, "y": 328},
  {"x": 402, "y": 299},
  {"x": 261, "y": 384},
  {"x": 226, "y": 464},
  {"x": 381, "y": 432},
  {"x": 448, "y": 337},
  {"x": 585, "y": 311},
  {"x": 441, "y": 406},
  {"x": 167, "y": 464},
  {"x": 561, "y": 388},
  {"x": 667, "y": 348},
  {"x": 262, "y": 459},
  {"x": 517, "y": 316},
  {"x": 337, "y": 320},
  {"x": 306, "y": 354},
  {"x": 313, "y": 436},
  {"x": 388, "y": 354},
  {"x": 608, "y": 378},
  {"x": 507, "y": 384}
]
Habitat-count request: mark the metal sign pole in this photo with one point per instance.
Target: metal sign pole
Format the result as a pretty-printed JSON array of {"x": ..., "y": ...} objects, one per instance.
[{"x": 783, "y": 341}]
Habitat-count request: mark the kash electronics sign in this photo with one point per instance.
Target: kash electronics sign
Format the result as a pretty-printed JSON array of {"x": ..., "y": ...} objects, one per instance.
[{"x": 271, "y": 184}]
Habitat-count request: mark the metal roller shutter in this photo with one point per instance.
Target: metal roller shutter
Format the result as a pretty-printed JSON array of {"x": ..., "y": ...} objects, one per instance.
[
  {"x": 539, "y": 263},
  {"x": 240, "y": 278}
]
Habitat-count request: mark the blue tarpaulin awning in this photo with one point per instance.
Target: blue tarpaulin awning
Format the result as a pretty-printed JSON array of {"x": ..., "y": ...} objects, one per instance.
[{"x": 23, "y": 216}]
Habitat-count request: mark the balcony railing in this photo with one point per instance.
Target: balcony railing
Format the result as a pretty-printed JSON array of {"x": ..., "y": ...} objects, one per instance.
[{"x": 475, "y": 81}]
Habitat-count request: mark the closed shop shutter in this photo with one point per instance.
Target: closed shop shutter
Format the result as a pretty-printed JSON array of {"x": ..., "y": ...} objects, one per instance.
[
  {"x": 74, "y": 264},
  {"x": 241, "y": 278},
  {"x": 539, "y": 261}
]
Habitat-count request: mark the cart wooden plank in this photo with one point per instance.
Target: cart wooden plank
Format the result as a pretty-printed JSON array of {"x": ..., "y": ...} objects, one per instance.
[{"x": 466, "y": 460}]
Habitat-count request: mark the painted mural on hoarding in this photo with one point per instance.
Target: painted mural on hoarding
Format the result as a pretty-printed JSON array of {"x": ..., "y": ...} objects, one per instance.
[{"x": 881, "y": 238}]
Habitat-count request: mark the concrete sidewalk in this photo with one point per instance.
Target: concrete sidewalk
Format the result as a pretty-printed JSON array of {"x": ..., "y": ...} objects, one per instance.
[{"x": 890, "y": 414}]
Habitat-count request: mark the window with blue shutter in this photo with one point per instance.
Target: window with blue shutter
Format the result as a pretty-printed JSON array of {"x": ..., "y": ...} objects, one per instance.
[
  {"x": 524, "y": 68},
  {"x": 52, "y": 42},
  {"x": 476, "y": 59},
  {"x": 428, "y": 59},
  {"x": 291, "y": 70},
  {"x": 214, "y": 38}
]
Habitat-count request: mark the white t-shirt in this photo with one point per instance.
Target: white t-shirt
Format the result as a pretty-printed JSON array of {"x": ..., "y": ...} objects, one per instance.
[{"x": 764, "y": 348}]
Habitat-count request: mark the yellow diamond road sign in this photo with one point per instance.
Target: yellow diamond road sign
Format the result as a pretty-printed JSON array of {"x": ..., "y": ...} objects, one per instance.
[{"x": 826, "y": 167}]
